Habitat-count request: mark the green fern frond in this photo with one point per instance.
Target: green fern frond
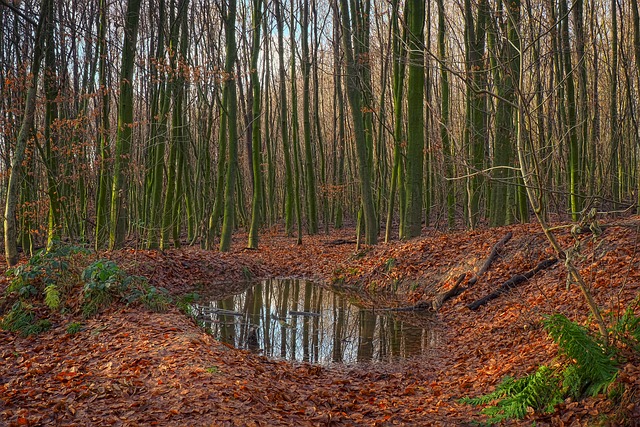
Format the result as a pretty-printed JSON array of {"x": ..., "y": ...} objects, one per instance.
[
  {"x": 539, "y": 391},
  {"x": 508, "y": 387},
  {"x": 595, "y": 367},
  {"x": 628, "y": 325},
  {"x": 21, "y": 318},
  {"x": 52, "y": 297}
]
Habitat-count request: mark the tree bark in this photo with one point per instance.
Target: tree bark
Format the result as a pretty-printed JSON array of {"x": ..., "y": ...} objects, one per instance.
[
  {"x": 512, "y": 283},
  {"x": 415, "y": 120},
  {"x": 355, "y": 100},
  {"x": 232, "y": 129},
  {"x": 119, "y": 192},
  {"x": 256, "y": 142},
  {"x": 11, "y": 204}
]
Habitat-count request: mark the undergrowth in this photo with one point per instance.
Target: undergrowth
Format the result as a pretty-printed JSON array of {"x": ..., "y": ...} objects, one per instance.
[
  {"x": 586, "y": 367},
  {"x": 62, "y": 279}
]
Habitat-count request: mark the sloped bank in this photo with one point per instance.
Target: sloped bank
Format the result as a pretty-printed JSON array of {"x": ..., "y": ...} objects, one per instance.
[{"x": 131, "y": 366}]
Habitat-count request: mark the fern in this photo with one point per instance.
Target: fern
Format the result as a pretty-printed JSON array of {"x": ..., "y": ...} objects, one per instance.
[
  {"x": 590, "y": 371},
  {"x": 155, "y": 299},
  {"x": 595, "y": 367},
  {"x": 21, "y": 318},
  {"x": 52, "y": 296},
  {"x": 507, "y": 387},
  {"x": 74, "y": 328},
  {"x": 628, "y": 326},
  {"x": 185, "y": 302},
  {"x": 539, "y": 391}
]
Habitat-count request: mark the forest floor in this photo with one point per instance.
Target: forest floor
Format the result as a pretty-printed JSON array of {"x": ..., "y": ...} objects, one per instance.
[{"x": 130, "y": 366}]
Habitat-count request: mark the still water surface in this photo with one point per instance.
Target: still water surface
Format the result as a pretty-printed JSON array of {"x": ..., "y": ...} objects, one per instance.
[{"x": 300, "y": 321}]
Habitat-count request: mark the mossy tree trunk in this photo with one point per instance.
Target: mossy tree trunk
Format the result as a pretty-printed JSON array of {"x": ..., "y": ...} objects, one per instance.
[
  {"x": 228, "y": 219},
  {"x": 256, "y": 161},
  {"x": 353, "y": 80},
  {"x": 415, "y": 119},
  {"x": 445, "y": 100},
  {"x": 476, "y": 126},
  {"x": 284, "y": 124},
  {"x": 399, "y": 59},
  {"x": 120, "y": 189},
  {"x": 104, "y": 152},
  {"x": 309, "y": 163},
  {"x": 505, "y": 64},
  {"x": 13, "y": 185}
]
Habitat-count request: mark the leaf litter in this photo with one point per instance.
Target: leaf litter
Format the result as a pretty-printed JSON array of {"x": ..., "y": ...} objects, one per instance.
[{"x": 129, "y": 366}]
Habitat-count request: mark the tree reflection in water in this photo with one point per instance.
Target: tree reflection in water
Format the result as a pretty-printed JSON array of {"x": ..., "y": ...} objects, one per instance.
[{"x": 298, "y": 320}]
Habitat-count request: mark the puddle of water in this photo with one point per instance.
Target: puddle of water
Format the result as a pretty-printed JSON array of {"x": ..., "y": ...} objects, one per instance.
[{"x": 300, "y": 321}]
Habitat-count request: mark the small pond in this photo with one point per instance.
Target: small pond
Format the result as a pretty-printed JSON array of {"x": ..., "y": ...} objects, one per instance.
[{"x": 301, "y": 321}]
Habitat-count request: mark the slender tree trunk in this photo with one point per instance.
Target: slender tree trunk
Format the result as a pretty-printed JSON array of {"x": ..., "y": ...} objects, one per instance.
[
  {"x": 51, "y": 152},
  {"x": 506, "y": 73},
  {"x": 615, "y": 171},
  {"x": 476, "y": 103},
  {"x": 339, "y": 122},
  {"x": 586, "y": 163},
  {"x": 231, "y": 112},
  {"x": 399, "y": 58},
  {"x": 13, "y": 186},
  {"x": 170, "y": 219},
  {"x": 256, "y": 202},
  {"x": 415, "y": 119},
  {"x": 352, "y": 79},
  {"x": 309, "y": 164},
  {"x": 221, "y": 166},
  {"x": 295, "y": 128},
  {"x": 120, "y": 189},
  {"x": 284, "y": 124},
  {"x": 158, "y": 131},
  {"x": 269, "y": 196},
  {"x": 445, "y": 100},
  {"x": 574, "y": 145},
  {"x": 104, "y": 179},
  {"x": 317, "y": 121},
  {"x": 636, "y": 45}
]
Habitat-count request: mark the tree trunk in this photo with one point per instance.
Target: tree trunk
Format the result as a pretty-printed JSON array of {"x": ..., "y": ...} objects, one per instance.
[
  {"x": 256, "y": 201},
  {"x": 119, "y": 192},
  {"x": 415, "y": 119},
  {"x": 506, "y": 73},
  {"x": 445, "y": 100},
  {"x": 231, "y": 113},
  {"x": 475, "y": 131},
  {"x": 10, "y": 226},
  {"x": 284, "y": 124},
  {"x": 309, "y": 164},
  {"x": 354, "y": 95},
  {"x": 51, "y": 152},
  {"x": 399, "y": 55}
]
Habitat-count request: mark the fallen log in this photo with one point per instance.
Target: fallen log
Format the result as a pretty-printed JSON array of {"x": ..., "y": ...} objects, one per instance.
[
  {"x": 512, "y": 283},
  {"x": 304, "y": 313},
  {"x": 492, "y": 256},
  {"x": 453, "y": 292},
  {"x": 337, "y": 242},
  {"x": 421, "y": 306},
  {"x": 457, "y": 289}
]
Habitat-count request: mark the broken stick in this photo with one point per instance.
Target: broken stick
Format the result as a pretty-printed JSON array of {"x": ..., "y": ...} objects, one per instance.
[
  {"x": 492, "y": 256},
  {"x": 440, "y": 299},
  {"x": 512, "y": 283}
]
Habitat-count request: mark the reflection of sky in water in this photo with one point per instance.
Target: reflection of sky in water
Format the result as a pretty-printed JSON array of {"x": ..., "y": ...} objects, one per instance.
[{"x": 297, "y": 320}]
